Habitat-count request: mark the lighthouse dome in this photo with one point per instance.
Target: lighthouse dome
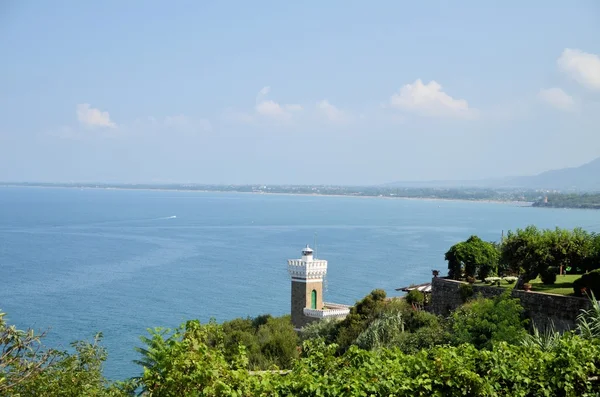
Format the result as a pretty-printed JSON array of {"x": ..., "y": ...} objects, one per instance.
[{"x": 307, "y": 251}]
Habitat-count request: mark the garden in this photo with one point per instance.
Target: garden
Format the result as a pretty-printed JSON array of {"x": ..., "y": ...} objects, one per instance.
[{"x": 557, "y": 261}]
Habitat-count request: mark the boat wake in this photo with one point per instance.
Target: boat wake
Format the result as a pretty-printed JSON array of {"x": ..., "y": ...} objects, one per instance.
[{"x": 167, "y": 217}]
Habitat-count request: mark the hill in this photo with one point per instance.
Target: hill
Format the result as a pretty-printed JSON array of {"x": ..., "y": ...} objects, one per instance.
[{"x": 585, "y": 178}]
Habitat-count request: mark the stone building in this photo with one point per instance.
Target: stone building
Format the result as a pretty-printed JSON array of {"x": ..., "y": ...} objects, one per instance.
[{"x": 307, "y": 305}]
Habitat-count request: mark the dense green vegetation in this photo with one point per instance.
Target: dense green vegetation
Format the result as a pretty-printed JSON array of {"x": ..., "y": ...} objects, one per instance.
[
  {"x": 483, "y": 349},
  {"x": 484, "y": 322},
  {"x": 572, "y": 200},
  {"x": 531, "y": 254},
  {"x": 487, "y": 347},
  {"x": 472, "y": 258}
]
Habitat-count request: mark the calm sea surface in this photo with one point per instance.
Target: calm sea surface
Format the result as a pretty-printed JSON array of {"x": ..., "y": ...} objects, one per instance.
[{"x": 117, "y": 261}]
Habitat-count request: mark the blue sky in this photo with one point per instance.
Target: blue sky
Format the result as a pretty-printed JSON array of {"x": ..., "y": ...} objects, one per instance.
[{"x": 340, "y": 92}]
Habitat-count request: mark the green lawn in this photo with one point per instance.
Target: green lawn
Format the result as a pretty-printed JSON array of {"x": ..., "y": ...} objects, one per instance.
[{"x": 563, "y": 285}]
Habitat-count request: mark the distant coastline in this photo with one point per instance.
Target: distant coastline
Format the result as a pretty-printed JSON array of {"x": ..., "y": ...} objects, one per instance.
[
  {"x": 429, "y": 194},
  {"x": 590, "y": 201}
]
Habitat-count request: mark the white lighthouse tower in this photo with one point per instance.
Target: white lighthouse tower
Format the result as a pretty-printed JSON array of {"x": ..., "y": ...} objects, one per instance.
[{"x": 307, "y": 276}]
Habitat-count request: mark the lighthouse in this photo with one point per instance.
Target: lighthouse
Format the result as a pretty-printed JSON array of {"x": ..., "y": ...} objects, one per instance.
[{"x": 307, "y": 305}]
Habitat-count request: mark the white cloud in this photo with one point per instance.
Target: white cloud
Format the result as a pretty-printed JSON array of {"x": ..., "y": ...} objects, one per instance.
[
  {"x": 176, "y": 125},
  {"x": 92, "y": 117},
  {"x": 331, "y": 112},
  {"x": 582, "y": 66},
  {"x": 271, "y": 109},
  {"x": 274, "y": 110},
  {"x": 430, "y": 100},
  {"x": 557, "y": 98}
]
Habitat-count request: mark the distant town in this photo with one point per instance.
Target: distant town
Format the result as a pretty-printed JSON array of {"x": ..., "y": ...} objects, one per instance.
[{"x": 535, "y": 197}]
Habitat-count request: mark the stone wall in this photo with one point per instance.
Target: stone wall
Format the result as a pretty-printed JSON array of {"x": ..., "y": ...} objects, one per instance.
[{"x": 543, "y": 309}]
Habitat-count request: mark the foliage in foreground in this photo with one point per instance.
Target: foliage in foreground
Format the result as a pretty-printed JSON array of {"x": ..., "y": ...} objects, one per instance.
[
  {"x": 27, "y": 368},
  {"x": 399, "y": 351},
  {"x": 588, "y": 321},
  {"x": 440, "y": 371},
  {"x": 483, "y": 322}
]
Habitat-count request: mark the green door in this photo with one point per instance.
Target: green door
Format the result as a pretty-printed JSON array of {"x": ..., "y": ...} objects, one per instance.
[{"x": 313, "y": 299}]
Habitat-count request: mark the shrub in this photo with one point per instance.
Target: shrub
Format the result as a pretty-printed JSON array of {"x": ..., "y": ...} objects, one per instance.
[
  {"x": 548, "y": 276},
  {"x": 546, "y": 340},
  {"x": 466, "y": 291},
  {"x": 361, "y": 315},
  {"x": 415, "y": 296},
  {"x": 423, "y": 338},
  {"x": 382, "y": 332},
  {"x": 484, "y": 322},
  {"x": 326, "y": 329},
  {"x": 590, "y": 281},
  {"x": 588, "y": 321}
]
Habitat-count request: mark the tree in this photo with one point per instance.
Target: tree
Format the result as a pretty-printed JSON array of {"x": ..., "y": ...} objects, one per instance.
[
  {"x": 21, "y": 355},
  {"x": 569, "y": 248},
  {"x": 525, "y": 252},
  {"x": 28, "y": 368},
  {"x": 278, "y": 342},
  {"x": 190, "y": 361},
  {"x": 471, "y": 258},
  {"x": 593, "y": 260},
  {"x": 359, "y": 318},
  {"x": 531, "y": 251}
]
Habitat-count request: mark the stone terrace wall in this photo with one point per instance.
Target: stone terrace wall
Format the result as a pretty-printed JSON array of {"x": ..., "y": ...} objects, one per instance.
[{"x": 542, "y": 309}]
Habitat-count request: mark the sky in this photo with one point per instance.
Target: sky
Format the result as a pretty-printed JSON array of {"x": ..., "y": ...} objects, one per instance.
[{"x": 306, "y": 92}]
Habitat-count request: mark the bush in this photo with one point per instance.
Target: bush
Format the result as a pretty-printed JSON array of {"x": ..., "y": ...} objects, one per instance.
[
  {"x": 326, "y": 329},
  {"x": 415, "y": 296},
  {"x": 484, "y": 322},
  {"x": 590, "y": 282},
  {"x": 548, "y": 276},
  {"x": 423, "y": 338},
  {"x": 382, "y": 332},
  {"x": 466, "y": 291},
  {"x": 361, "y": 315}
]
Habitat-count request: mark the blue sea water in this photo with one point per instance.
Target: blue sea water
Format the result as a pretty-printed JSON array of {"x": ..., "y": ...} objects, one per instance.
[{"x": 119, "y": 261}]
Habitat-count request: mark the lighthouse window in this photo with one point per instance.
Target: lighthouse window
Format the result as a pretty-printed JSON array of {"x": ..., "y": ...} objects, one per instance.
[{"x": 313, "y": 299}]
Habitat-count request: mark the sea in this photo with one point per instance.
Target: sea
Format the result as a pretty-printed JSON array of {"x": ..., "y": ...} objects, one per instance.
[{"x": 74, "y": 262}]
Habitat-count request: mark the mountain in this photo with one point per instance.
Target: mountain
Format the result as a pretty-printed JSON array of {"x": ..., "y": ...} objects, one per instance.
[{"x": 583, "y": 178}]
